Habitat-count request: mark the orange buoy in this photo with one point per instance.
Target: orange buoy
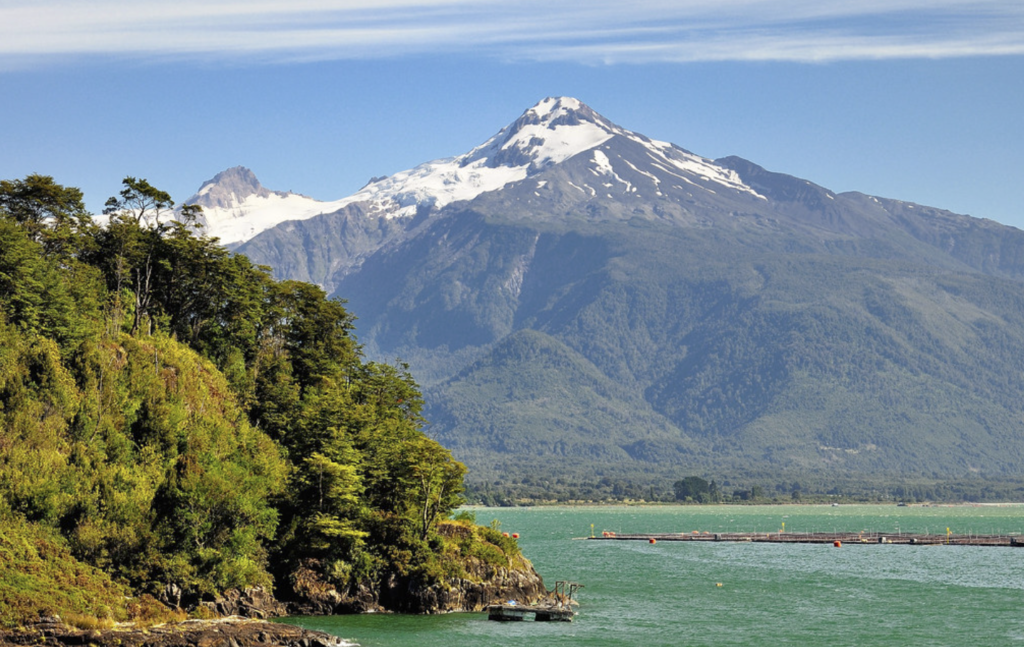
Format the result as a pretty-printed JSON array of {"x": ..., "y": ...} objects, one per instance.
[
  {"x": 515, "y": 535},
  {"x": 837, "y": 544},
  {"x": 652, "y": 540}
]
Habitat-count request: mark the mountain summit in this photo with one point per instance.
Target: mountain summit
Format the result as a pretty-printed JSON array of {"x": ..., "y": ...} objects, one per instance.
[
  {"x": 580, "y": 299},
  {"x": 228, "y": 189}
]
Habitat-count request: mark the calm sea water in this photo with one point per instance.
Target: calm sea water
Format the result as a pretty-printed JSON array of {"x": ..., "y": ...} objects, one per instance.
[{"x": 770, "y": 594}]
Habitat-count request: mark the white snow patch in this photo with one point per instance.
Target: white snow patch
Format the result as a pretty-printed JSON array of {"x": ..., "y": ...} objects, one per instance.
[
  {"x": 657, "y": 180},
  {"x": 604, "y": 166},
  {"x": 255, "y": 214}
]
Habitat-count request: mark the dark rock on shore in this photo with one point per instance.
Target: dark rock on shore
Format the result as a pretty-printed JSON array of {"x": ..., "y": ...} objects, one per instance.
[
  {"x": 489, "y": 584},
  {"x": 255, "y": 602},
  {"x": 484, "y": 584},
  {"x": 229, "y": 632}
]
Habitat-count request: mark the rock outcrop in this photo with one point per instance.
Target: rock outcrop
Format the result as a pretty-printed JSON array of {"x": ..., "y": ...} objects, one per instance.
[
  {"x": 255, "y": 602},
  {"x": 229, "y": 632},
  {"x": 483, "y": 584},
  {"x": 488, "y": 585}
]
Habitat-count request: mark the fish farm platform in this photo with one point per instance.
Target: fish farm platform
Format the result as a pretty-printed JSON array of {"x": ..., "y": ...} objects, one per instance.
[{"x": 834, "y": 538}]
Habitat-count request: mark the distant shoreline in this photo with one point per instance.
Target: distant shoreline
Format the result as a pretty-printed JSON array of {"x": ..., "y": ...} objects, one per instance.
[{"x": 732, "y": 504}]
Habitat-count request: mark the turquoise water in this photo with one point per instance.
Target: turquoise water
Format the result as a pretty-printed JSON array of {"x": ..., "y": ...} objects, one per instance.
[{"x": 771, "y": 594}]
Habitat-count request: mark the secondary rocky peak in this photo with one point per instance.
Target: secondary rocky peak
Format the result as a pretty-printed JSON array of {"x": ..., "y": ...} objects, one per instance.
[{"x": 229, "y": 188}]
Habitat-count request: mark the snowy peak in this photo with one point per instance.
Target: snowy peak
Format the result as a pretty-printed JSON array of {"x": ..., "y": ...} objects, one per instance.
[
  {"x": 560, "y": 128},
  {"x": 229, "y": 189},
  {"x": 559, "y": 111},
  {"x": 237, "y": 207},
  {"x": 552, "y": 131}
]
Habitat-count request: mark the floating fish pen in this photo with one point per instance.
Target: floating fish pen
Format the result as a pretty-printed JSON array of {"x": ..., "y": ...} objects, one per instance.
[{"x": 834, "y": 538}]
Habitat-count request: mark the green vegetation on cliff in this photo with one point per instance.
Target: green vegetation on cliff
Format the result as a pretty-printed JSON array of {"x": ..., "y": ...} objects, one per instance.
[{"x": 174, "y": 422}]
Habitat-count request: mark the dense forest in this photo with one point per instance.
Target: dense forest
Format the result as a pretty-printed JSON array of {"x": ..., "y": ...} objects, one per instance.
[{"x": 175, "y": 423}]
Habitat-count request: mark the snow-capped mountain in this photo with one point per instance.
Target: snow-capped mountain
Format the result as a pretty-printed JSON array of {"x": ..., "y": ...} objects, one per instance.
[
  {"x": 578, "y": 298},
  {"x": 549, "y": 133},
  {"x": 237, "y": 208}
]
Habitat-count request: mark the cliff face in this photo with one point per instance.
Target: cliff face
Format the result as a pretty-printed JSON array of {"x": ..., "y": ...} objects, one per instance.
[
  {"x": 484, "y": 585},
  {"x": 481, "y": 585}
]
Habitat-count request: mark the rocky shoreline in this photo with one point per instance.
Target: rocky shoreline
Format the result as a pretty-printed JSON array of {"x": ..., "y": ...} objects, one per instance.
[
  {"x": 245, "y": 614},
  {"x": 484, "y": 584},
  {"x": 224, "y": 632}
]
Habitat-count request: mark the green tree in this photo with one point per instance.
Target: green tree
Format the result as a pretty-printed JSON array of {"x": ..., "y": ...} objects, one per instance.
[
  {"x": 53, "y": 215},
  {"x": 438, "y": 479},
  {"x": 134, "y": 233},
  {"x": 691, "y": 487},
  {"x": 140, "y": 202}
]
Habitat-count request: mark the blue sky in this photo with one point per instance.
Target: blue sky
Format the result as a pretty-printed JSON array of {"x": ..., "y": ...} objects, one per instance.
[{"x": 921, "y": 100}]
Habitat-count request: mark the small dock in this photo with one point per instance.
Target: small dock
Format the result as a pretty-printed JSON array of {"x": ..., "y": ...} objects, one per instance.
[
  {"x": 834, "y": 538},
  {"x": 520, "y": 612},
  {"x": 557, "y": 609}
]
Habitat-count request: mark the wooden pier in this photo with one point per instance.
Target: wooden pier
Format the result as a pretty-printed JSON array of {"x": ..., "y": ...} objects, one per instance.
[{"x": 842, "y": 538}]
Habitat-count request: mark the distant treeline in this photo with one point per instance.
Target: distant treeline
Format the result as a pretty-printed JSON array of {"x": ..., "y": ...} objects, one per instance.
[{"x": 802, "y": 488}]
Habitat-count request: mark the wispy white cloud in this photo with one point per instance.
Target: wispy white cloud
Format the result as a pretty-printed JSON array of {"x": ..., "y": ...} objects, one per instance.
[{"x": 600, "y": 31}]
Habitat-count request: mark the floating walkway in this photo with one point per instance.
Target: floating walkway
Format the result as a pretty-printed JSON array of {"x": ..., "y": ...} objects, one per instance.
[{"x": 834, "y": 538}]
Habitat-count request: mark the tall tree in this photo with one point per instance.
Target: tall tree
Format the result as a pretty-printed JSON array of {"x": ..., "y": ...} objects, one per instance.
[
  {"x": 135, "y": 232},
  {"x": 53, "y": 215}
]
